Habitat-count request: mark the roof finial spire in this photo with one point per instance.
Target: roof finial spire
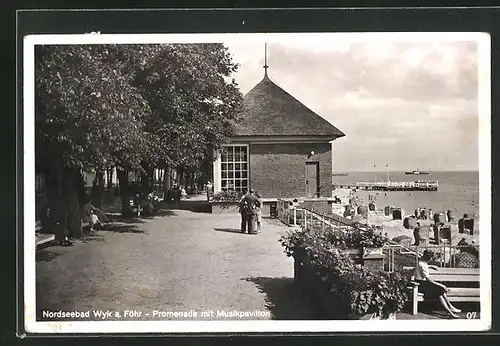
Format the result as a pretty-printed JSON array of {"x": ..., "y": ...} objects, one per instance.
[{"x": 265, "y": 59}]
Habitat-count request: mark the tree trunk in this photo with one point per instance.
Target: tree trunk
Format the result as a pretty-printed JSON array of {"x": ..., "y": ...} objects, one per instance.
[
  {"x": 73, "y": 206},
  {"x": 166, "y": 180},
  {"x": 180, "y": 177},
  {"x": 123, "y": 183},
  {"x": 66, "y": 195},
  {"x": 147, "y": 179},
  {"x": 110, "y": 178},
  {"x": 55, "y": 198},
  {"x": 99, "y": 195}
]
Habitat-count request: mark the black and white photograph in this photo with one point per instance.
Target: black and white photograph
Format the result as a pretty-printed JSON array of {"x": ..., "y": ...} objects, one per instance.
[{"x": 267, "y": 182}]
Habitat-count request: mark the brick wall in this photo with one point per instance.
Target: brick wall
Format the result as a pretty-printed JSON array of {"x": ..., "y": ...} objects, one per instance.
[{"x": 278, "y": 170}]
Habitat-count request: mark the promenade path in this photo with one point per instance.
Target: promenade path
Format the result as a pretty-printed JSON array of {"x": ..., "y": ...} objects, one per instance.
[{"x": 182, "y": 260}]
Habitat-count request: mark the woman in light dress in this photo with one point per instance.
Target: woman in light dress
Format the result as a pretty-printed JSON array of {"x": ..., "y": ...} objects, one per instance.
[{"x": 430, "y": 288}]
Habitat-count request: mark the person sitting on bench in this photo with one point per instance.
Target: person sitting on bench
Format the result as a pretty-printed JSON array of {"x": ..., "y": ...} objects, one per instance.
[
  {"x": 432, "y": 289},
  {"x": 94, "y": 221}
]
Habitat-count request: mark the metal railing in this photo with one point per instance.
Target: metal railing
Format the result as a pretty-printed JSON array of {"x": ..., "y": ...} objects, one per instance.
[
  {"x": 398, "y": 256},
  {"x": 298, "y": 216},
  {"x": 447, "y": 255}
]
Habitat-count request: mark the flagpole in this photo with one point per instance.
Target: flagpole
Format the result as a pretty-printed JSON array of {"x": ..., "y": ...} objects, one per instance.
[{"x": 374, "y": 174}]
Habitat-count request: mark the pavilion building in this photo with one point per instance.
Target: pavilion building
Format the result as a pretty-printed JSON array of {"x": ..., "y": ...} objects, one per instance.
[{"x": 281, "y": 148}]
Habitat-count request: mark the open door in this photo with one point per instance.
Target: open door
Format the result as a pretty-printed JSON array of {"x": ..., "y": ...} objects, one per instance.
[{"x": 312, "y": 179}]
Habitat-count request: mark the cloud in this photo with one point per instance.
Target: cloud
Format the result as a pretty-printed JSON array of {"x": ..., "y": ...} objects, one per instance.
[{"x": 403, "y": 103}]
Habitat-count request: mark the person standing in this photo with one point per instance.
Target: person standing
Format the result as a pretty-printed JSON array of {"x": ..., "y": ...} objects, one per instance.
[
  {"x": 248, "y": 206},
  {"x": 240, "y": 204}
]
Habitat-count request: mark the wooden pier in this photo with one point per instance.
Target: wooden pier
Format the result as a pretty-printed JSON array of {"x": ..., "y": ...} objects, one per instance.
[{"x": 391, "y": 185}]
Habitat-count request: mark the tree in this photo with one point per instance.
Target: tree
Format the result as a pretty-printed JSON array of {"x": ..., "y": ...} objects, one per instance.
[
  {"x": 194, "y": 106},
  {"x": 87, "y": 113},
  {"x": 133, "y": 107}
]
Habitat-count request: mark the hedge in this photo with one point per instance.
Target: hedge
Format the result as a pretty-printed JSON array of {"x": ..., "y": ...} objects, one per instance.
[
  {"x": 356, "y": 290},
  {"x": 227, "y": 196}
]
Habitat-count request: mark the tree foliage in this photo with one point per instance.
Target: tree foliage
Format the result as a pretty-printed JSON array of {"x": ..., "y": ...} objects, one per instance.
[
  {"x": 132, "y": 106},
  {"x": 87, "y": 111},
  {"x": 194, "y": 106},
  {"x": 120, "y": 104}
]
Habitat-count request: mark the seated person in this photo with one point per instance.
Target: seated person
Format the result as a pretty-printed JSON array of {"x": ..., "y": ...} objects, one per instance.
[
  {"x": 94, "y": 221},
  {"x": 430, "y": 288}
]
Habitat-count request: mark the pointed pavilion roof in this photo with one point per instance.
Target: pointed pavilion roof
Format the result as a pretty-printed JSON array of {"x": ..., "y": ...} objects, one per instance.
[{"x": 271, "y": 111}]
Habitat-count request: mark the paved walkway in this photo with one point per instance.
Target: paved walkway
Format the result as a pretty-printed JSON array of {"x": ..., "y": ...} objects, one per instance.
[{"x": 180, "y": 261}]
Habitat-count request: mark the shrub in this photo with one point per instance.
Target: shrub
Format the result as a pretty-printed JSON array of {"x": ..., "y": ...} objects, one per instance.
[
  {"x": 358, "y": 290},
  {"x": 355, "y": 239},
  {"x": 227, "y": 196}
]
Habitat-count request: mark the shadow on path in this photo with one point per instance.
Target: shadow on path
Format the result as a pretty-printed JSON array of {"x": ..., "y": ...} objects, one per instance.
[
  {"x": 194, "y": 206},
  {"x": 123, "y": 219},
  {"x": 121, "y": 229},
  {"x": 229, "y": 230},
  {"x": 284, "y": 299},
  {"x": 135, "y": 219},
  {"x": 46, "y": 255}
]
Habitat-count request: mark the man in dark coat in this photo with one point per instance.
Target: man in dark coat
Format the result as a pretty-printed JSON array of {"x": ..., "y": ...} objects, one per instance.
[{"x": 248, "y": 209}]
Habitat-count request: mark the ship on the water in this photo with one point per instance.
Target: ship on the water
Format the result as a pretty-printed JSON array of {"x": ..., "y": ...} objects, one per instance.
[
  {"x": 340, "y": 174},
  {"x": 417, "y": 172}
]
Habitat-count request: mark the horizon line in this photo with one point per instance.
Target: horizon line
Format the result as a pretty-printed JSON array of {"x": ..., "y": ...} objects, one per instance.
[{"x": 399, "y": 171}]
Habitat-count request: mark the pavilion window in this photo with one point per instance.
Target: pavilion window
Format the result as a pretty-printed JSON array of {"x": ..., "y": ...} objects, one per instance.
[{"x": 234, "y": 165}]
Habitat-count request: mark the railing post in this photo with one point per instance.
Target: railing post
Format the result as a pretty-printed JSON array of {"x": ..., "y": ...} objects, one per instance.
[
  {"x": 295, "y": 217},
  {"x": 305, "y": 219}
]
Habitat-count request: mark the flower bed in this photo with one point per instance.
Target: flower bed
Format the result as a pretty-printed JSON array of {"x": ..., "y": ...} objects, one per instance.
[
  {"x": 225, "y": 202},
  {"x": 342, "y": 289}
]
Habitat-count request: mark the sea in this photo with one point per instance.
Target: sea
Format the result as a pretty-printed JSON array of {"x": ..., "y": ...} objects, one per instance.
[{"x": 458, "y": 191}]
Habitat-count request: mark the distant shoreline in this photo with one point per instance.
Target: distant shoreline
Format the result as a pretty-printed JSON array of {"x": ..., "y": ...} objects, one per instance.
[{"x": 430, "y": 171}]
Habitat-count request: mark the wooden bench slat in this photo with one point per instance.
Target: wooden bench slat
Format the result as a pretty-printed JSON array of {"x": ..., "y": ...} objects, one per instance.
[
  {"x": 461, "y": 271},
  {"x": 456, "y": 299},
  {"x": 457, "y": 271},
  {"x": 42, "y": 239},
  {"x": 455, "y": 278},
  {"x": 464, "y": 299},
  {"x": 463, "y": 292},
  {"x": 458, "y": 295}
]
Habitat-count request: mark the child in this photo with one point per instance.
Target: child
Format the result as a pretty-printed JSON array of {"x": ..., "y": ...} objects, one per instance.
[
  {"x": 94, "y": 221},
  {"x": 258, "y": 211}
]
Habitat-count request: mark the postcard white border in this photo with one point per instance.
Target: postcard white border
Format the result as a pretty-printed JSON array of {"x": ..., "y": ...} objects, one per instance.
[{"x": 484, "y": 137}]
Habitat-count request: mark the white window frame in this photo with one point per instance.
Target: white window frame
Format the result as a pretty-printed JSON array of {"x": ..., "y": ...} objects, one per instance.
[{"x": 218, "y": 167}]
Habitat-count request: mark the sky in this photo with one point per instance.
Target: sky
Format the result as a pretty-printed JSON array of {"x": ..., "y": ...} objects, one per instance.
[{"x": 406, "y": 104}]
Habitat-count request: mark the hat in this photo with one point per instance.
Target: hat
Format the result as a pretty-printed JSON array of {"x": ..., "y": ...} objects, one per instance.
[{"x": 252, "y": 190}]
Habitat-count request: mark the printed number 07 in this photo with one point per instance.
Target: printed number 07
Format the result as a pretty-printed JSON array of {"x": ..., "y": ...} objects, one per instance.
[{"x": 471, "y": 315}]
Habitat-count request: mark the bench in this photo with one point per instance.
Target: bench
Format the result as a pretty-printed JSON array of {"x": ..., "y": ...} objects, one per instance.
[
  {"x": 457, "y": 280},
  {"x": 42, "y": 238}
]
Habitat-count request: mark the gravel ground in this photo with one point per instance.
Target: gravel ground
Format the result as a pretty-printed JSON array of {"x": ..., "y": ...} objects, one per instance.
[{"x": 182, "y": 261}]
